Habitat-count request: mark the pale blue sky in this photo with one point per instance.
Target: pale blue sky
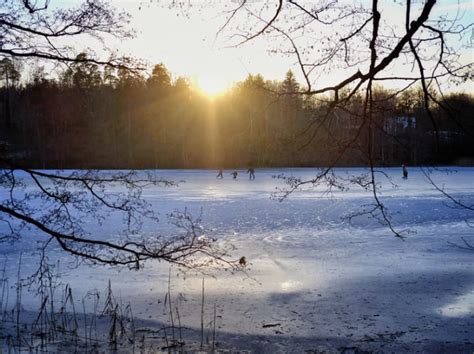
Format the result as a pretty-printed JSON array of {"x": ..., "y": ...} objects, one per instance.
[{"x": 188, "y": 47}]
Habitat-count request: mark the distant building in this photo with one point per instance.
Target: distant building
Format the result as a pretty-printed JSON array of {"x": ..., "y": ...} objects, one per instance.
[{"x": 399, "y": 125}]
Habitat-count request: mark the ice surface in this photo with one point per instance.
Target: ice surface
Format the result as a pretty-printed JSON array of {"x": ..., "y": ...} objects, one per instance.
[{"x": 325, "y": 281}]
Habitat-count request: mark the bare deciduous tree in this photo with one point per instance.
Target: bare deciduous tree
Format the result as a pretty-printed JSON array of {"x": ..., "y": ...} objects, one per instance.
[
  {"x": 30, "y": 29},
  {"x": 403, "y": 43}
]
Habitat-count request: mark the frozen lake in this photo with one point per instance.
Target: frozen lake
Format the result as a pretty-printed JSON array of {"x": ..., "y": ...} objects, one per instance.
[{"x": 321, "y": 281}]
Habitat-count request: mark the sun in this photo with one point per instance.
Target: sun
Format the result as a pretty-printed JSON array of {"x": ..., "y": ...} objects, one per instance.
[{"x": 211, "y": 86}]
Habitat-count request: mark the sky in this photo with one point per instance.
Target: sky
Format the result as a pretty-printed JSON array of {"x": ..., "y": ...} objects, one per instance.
[
  {"x": 187, "y": 44},
  {"x": 189, "y": 47}
]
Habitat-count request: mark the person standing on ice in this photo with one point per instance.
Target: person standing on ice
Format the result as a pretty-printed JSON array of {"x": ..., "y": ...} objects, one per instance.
[
  {"x": 220, "y": 174},
  {"x": 251, "y": 173},
  {"x": 234, "y": 174},
  {"x": 405, "y": 172}
]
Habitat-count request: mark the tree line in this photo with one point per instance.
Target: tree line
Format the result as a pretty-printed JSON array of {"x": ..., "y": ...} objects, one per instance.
[{"x": 108, "y": 117}]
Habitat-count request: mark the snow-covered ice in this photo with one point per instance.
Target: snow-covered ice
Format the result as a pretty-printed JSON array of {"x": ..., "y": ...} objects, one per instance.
[{"x": 325, "y": 283}]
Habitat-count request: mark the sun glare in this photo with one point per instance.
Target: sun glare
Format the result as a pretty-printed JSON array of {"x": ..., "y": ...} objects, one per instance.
[{"x": 211, "y": 87}]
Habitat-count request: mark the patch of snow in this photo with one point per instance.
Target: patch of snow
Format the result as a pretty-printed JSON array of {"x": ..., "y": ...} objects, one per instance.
[{"x": 324, "y": 280}]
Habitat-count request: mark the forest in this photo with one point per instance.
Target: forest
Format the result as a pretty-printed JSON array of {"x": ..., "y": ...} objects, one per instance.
[{"x": 91, "y": 116}]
